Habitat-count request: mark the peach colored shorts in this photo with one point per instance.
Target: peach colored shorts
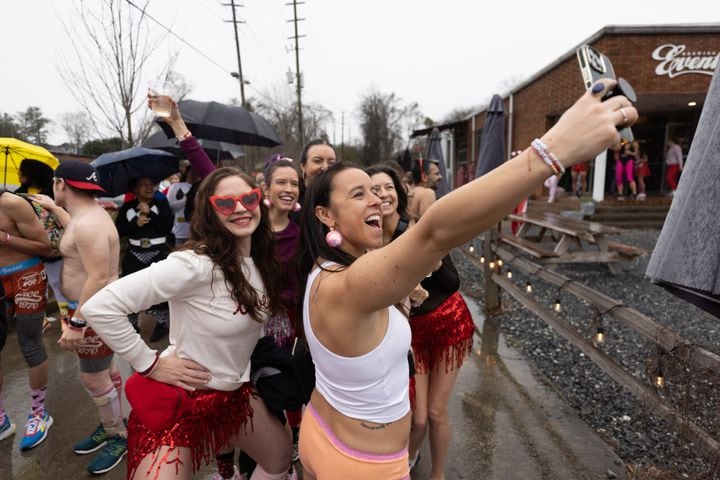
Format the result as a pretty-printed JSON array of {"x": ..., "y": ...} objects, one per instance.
[{"x": 325, "y": 457}]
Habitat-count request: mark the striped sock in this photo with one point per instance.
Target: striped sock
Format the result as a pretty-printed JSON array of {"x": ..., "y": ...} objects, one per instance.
[{"x": 37, "y": 402}]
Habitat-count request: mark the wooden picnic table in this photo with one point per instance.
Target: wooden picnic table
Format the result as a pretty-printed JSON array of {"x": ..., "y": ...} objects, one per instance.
[{"x": 571, "y": 238}]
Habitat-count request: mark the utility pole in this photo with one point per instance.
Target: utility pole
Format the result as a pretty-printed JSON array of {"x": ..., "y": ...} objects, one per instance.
[
  {"x": 239, "y": 75},
  {"x": 342, "y": 134},
  {"x": 298, "y": 75}
]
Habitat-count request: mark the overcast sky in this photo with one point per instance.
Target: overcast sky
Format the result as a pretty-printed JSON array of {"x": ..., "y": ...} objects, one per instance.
[{"x": 444, "y": 55}]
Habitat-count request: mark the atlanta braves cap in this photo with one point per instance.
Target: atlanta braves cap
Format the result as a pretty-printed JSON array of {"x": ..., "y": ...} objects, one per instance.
[{"x": 79, "y": 175}]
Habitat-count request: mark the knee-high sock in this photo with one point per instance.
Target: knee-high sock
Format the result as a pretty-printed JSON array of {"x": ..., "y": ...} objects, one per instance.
[
  {"x": 108, "y": 405},
  {"x": 118, "y": 384},
  {"x": 38, "y": 400}
]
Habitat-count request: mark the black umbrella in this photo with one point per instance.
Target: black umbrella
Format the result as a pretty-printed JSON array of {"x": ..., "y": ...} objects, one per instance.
[
  {"x": 215, "y": 150},
  {"x": 686, "y": 258},
  {"x": 492, "y": 140},
  {"x": 435, "y": 154},
  {"x": 115, "y": 169},
  {"x": 225, "y": 123}
]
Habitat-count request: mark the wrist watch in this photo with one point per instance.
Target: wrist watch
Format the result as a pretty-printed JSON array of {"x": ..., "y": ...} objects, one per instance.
[{"x": 77, "y": 322}]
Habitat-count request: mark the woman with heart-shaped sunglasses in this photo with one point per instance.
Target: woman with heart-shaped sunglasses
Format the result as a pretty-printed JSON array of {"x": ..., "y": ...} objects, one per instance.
[{"x": 221, "y": 286}]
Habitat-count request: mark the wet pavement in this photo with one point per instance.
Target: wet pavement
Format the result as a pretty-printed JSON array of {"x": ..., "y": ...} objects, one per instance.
[{"x": 508, "y": 422}]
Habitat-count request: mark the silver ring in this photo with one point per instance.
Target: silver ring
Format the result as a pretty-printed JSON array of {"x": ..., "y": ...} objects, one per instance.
[{"x": 625, "y": 117}]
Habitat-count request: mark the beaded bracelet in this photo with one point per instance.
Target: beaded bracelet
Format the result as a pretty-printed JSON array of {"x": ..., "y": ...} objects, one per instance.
[
  {"x": 151, "y": 368},
  {"x": 548, "y": 157}
]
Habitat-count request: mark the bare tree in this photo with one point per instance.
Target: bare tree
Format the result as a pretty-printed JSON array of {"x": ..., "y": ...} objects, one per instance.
[
  {"x": 384, "y": 123},
  {"x": 77, "y": 127},
  {"x": 111, "y": 44}
]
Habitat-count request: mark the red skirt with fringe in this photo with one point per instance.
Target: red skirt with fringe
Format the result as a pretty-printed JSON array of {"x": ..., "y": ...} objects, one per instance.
[
  {"x": 214, "y": 419},
  {"x": 443, "y": 335}
]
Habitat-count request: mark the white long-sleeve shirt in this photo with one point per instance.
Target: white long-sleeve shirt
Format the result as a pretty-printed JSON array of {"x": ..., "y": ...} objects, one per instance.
[
  {"x": 206, "y": 325},
  {"x": 674, "y": 155}
]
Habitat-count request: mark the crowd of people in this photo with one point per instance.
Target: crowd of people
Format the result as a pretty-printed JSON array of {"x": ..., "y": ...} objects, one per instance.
[{"x": 353, "y": 264}]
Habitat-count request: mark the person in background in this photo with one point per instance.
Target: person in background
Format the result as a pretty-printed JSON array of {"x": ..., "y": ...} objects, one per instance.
[
  {"x": 91, "y": 251},
  {"x": 579, "y": 178},
  {"x": 221, "y": 286},
  {"x": 625, "y": 168},
  {"x": 177, "y": 195},
  {"x": 642, "y": 171},
  {"x": 22, "y": 274},
  {"x": 426, "y": 177},
  {"x": 317, "y": 156},
  {"x": 357, "y": 424},
  {"x": 147, "y": 222},
  {"x": 168, "y": 182},
  {"x": 37, "y": 178},
  {"x": 442, "y": 330},
  {"x": 674, "y": 164}
]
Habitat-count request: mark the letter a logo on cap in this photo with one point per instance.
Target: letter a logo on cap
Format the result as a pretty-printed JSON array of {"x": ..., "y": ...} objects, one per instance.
[{"x": 92, "y": 177}]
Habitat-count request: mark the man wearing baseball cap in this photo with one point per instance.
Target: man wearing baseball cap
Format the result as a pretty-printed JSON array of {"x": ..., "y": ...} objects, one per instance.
[
  {"x": 90, "y": 230},
  {"x": 80, "y": 175}
]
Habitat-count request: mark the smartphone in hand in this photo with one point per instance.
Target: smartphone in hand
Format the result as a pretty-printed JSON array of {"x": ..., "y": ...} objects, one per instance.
[{"x": 593, "y": 66}]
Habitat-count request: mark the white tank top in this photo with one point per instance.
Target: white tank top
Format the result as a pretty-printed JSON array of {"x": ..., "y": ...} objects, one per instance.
[{"x": 373, "y": 386}]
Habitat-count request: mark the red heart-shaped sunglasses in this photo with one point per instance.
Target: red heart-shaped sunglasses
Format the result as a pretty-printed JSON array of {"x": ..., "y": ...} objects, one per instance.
[{"x": 225, "y": 204}]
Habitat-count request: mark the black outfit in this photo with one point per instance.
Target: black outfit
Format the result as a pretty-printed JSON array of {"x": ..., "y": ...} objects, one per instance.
[
  {"x": 440, "y": 285},
  {"x": 146, "y": 245}
]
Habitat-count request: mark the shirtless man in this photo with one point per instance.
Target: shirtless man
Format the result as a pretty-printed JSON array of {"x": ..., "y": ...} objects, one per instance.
[
  {"x": 90, "y": 248},
  {"x": 23, "y": 278},
  {"x": 426, "y": 178}
]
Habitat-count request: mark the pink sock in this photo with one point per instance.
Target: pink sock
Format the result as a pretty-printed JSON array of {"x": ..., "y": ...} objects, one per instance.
[{"x": 37, "y": 402}]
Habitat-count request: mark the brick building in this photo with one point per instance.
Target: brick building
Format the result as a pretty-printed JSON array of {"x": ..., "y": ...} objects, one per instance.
[{"x": 670, "y": 68}]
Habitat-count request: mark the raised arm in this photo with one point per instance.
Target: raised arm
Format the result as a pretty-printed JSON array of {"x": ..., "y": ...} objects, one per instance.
[
  {"x": 199, "y": 160},
  {"x": 385, "y": 276}
]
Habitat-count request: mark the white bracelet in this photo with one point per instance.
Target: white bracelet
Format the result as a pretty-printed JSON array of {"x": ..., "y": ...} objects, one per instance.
[{"x": 548, "y": 157}]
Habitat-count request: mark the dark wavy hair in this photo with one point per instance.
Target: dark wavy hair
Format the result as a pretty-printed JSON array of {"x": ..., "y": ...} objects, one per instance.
[
  {"x": 209, "y": 237},
  {"x": 399, "y": 187},
  {"x": 37, "y": 175}
]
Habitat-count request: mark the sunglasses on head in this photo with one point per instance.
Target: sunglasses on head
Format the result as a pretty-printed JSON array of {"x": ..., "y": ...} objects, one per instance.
[{"x": 225, "y": 204}]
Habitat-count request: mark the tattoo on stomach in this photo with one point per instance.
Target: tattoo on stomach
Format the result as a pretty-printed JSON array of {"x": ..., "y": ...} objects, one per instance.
[{"x": 374, "y": 426}]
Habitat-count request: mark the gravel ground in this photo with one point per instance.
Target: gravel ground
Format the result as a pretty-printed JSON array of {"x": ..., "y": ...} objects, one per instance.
[{"x": 650, "y": 446}]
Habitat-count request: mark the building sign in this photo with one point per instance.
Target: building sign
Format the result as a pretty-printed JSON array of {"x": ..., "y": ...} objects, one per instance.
[{"x": 675, "y": 60}]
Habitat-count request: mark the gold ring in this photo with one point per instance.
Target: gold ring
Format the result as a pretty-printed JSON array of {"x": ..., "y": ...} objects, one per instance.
[{"x": 625, "y": 117}]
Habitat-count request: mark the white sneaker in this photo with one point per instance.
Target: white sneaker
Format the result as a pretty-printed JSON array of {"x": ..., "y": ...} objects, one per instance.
[
  {"x": 7, "y": 428},
  {"x": 641, "y": 196}
]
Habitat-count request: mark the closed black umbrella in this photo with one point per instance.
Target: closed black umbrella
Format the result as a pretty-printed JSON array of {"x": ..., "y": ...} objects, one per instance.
[
  {"x": 215, "y": 150},
  {"x": 492, "y": 141},
  {"x": 686, "y": 258},
  {"x": 225, "y": 123},
  {"x": 434, "y": 153},
  {"x": 115, "y": 169}
]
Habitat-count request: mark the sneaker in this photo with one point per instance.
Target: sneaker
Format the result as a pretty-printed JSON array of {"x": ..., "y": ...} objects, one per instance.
[
  {"x": 236, "y": 475},
  {"x": 94, "y": 442},
  {"x": 36, "y": 430},
  {"x": 7, "y": 428},
  {"x": 108, "y": 458},
  {"x": 641, "y": 196},
  {"x": 160, "y": 332}
]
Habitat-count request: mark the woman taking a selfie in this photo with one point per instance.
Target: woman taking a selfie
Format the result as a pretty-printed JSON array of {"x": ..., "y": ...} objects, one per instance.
[{"x": 358, "y": 421}]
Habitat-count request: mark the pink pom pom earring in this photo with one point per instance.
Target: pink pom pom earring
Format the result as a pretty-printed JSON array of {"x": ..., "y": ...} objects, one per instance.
[
  {"x": 333, "y": 238},
  {"x": 296, "y": 207},
  {"x": 267, "y": 202}
]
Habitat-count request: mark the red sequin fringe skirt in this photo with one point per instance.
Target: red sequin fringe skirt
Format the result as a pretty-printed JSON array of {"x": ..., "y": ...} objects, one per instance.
[
  {"x": 215, "y": 418},
  {"x": 443, "y": 335}
]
